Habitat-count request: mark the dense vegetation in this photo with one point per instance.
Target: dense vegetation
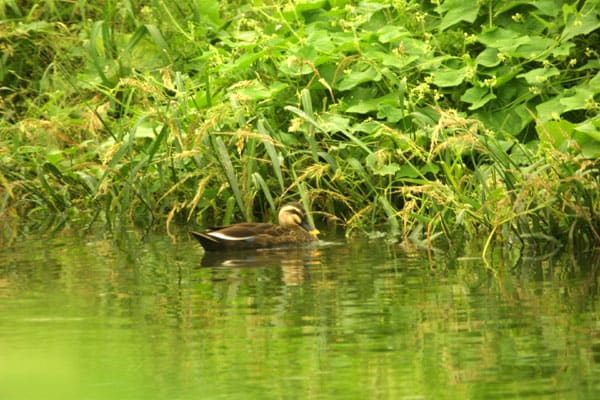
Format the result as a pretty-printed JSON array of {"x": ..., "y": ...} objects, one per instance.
[{"x": 447, "y": 118}]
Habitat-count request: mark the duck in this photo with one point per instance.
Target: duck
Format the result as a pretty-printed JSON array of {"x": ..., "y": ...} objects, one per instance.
[{"x": 293, "y": 229}]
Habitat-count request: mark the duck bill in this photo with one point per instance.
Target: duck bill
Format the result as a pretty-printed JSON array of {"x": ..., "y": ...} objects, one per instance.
[{"x": 309, "y": 228}]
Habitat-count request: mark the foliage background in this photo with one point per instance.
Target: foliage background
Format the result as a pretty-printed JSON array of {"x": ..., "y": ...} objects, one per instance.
[{"x": 424, "y": 118}]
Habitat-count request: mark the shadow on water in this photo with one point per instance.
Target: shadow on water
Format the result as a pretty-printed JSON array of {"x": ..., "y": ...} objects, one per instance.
[{"x": 143, "y": 317}]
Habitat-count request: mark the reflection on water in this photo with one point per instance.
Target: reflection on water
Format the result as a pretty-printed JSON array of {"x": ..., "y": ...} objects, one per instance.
[{"x": 145, "y": 318}]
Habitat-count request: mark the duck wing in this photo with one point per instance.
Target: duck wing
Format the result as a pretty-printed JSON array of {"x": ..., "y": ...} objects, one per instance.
[
  {"x": 241, "y": 231},
  {"x": 237, "y": 236}
]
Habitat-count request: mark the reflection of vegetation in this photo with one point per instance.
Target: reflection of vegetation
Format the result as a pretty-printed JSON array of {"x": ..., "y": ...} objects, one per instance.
[
  {"x": 460, "y": 118},
  {"x": 363, "y": 321}
]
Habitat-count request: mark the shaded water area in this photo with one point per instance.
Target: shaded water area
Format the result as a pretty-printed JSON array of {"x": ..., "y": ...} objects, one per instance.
[{"x": 145, "y": 318}]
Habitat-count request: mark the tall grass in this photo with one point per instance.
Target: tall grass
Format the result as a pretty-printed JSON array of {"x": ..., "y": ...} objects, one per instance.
[{"x": 420, "y": 120}]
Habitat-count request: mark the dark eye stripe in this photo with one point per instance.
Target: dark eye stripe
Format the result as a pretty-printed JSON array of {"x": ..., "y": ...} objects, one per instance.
[
  {"x": 294, "y": 210},
  {"x": 297, "y": 212}
]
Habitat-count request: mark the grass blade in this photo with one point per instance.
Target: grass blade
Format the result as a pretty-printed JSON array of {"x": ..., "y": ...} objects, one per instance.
[
  {"x": 265, "y": 129},
  {"x": 227, "y": 165}
]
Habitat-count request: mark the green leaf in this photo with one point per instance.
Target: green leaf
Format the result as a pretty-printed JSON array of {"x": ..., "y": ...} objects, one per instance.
[
  {"x": 242, "y": 63},
  {"x": 408, "y": 171},
  {"x": 455, "y": 11},
  {"x": 390, "y": 114},
  {"x": 492, "y": 37},
  {"x": 321, "y": 41},
  {"x": 265, "y": 129},
  {"x": 260, "y": 183},
  {"x": 258, "y": 91},
  {"x": 390, "y": 212},
  {"x": 54, "y": 156},
  {"x": 591, "y": 150},
  {"x": 227, "y": 165},
  {"x": 380, "y": 168},
  {"x": 28, "y": 149},
  {"x": 333, "y": 122},
  {"x": 488, "y": 57},
  {"x": 594, "y": 83},
  {"x": 539, "y": 75},
  {"x": 559, "y": 133},
  {"x": 511, "y": 120},
  {"x": 581, "y": 22},
  {"x": 555, "y": 132},
  {"x": 355, "y": 78},
  {"x": 210, "y": 10},
  {"x": 477, "y": 96},
  {"x": 449, "y": 77},
  {"x": 371, "y": 105},
  {"x": 309, "y": 5},
  {"x": 550, "y": 109},
  {"x": 532, "y": 46},
  {"x": 392, "y": 33},
  {"x": 587, "y": 136},
  {"x": 591, "y": 128},
  {"x": 545, "y": 7},
  {"x": 158, "y": 38},
  {"x": 95, "y": 50},
  {"x": 299, "y": 61},
  {"x": 516, "y": 45},
  {"x": 579, "y": 100}
]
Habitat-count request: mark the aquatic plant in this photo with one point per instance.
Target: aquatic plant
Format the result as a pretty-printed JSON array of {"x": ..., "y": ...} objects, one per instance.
[{"x": 444, "y": 119}]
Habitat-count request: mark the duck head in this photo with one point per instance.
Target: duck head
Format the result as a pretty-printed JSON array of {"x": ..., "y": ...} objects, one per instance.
[{"x": 293, "y": 215}]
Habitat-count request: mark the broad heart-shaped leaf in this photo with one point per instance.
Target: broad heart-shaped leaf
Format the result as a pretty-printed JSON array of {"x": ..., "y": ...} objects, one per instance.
[
  {"x": 587, "y": 136},
  {"x": 308, "y": 5},
  {"x": 488, "y": 57},
  {"x": 333, "y": 122},
  {"x": 555, "y": 132},
  {"x": 545, "y": 7},
  {"x": 590, "y": 150},
  {"x": 448, "y": 77},
  {"x": 491, "y": 37},
  {"x": 582, "y": 22},
  {"x": 256, "y": 90},
  {"x": 397, "y": 62},
  {"x": 390, "y": 113},
  {"x": 533, "y": 46},
  {"x": 515, "y": 44},
  {"x": 321, "y": 41},
  {"x": 379, "y": 168},
  {"x": 591, "y": 128},
  {"x": 576, "y": 99},
  {"x": 408, "y": 171},
  {"x": 355, "y": 78},
  {"x": 389, "y": 33},
  {"x": 539, "y": 75},
  {"x": 594, "y": 83},
  {"x": 210, "y": 10},
  {"x": 242, "y": 63},
  {"x": 455, "y": 11},
  {"x": 579, "y": 100},
  {"x": 550, "y": 109},
  {"x": 512, "y": 120},
  {"x": 371, "y": 105},
  {"x": 560, "y": 133},
  {"x": 387, "y": 107},
  {"x": 477, "y": 96},
  {"x": 301, "y": 60}
]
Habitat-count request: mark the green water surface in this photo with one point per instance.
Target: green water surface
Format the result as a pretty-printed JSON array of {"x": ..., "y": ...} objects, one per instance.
[{"x": 146, "y": 318}]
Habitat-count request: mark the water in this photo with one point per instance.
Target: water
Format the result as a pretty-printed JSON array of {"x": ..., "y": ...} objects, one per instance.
[{"x": 143, "y": 318}]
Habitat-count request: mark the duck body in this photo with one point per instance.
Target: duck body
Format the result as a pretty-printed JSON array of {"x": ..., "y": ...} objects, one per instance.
[{"x": 293, "y": 229}]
